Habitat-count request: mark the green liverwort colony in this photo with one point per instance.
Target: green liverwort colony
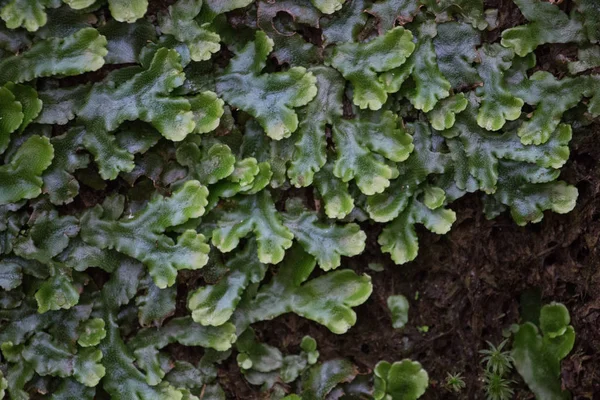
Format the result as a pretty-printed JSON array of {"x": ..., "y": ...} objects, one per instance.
[{"x": 175, "y": 175}]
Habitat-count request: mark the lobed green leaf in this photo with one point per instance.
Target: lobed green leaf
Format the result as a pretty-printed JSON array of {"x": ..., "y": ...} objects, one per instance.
[
  {"x": 362, "y": 64},
  {"x": 270, "y": 98},
  {"x": 21, "y": 177},
  {"x": 80, "y": 52},
  {"x": 142, "y": 237}
]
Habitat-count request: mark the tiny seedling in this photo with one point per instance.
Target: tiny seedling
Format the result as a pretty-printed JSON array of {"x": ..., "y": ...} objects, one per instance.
[
  {"x": 497, "y": 387},
  {"x": 455, "y": 382},
  {"x": 497, "y": 364},
  {"x": 496, "y": 360}
]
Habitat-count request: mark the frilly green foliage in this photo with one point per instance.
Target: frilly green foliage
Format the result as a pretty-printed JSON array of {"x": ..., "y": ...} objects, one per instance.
[
  {"x": 547, "y": 24},
  {"x": 130, "y": 94},
  {"x": 537, "y": 352},
  {"x": 327, "y": 299},
  {"x": 398, "y": 306},
  {"x": 498, "y": 104},
  {"x": 80, "y": 52},
  {"x": 310, "y": 154},
  {"x": 180, "y": 22},
  {"x": 21, "y": 175},
  {"x": 214, "y": 304},
  {"x": 326, "y": 242},
  {"x": 141, "y": 235},
  {"x": 29, "y": 14},
  {"x": 242, "y": 154},
  {"x": 402, "y": 380},
  {"x": 19, "y": 106},
  {"x": 59, "y": 182},
  {"x": 256, "y": 214},
  {"x": 363, "y": 65},
  {"x": 270, "y": 98},
  {"x": 367, "y": 149},
  {"x": 263, "y": 365},
  {"x": 420, "y": 78},
  {"x": 127, "y": 10},
  {"x": 321, "y": 379}
]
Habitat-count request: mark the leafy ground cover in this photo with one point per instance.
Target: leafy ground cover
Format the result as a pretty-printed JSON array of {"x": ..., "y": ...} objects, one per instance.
[{"x": 237, "y": 199}]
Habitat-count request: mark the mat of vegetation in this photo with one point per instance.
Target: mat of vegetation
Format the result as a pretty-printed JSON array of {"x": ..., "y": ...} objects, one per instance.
[{"x": 299, "y": 199}]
